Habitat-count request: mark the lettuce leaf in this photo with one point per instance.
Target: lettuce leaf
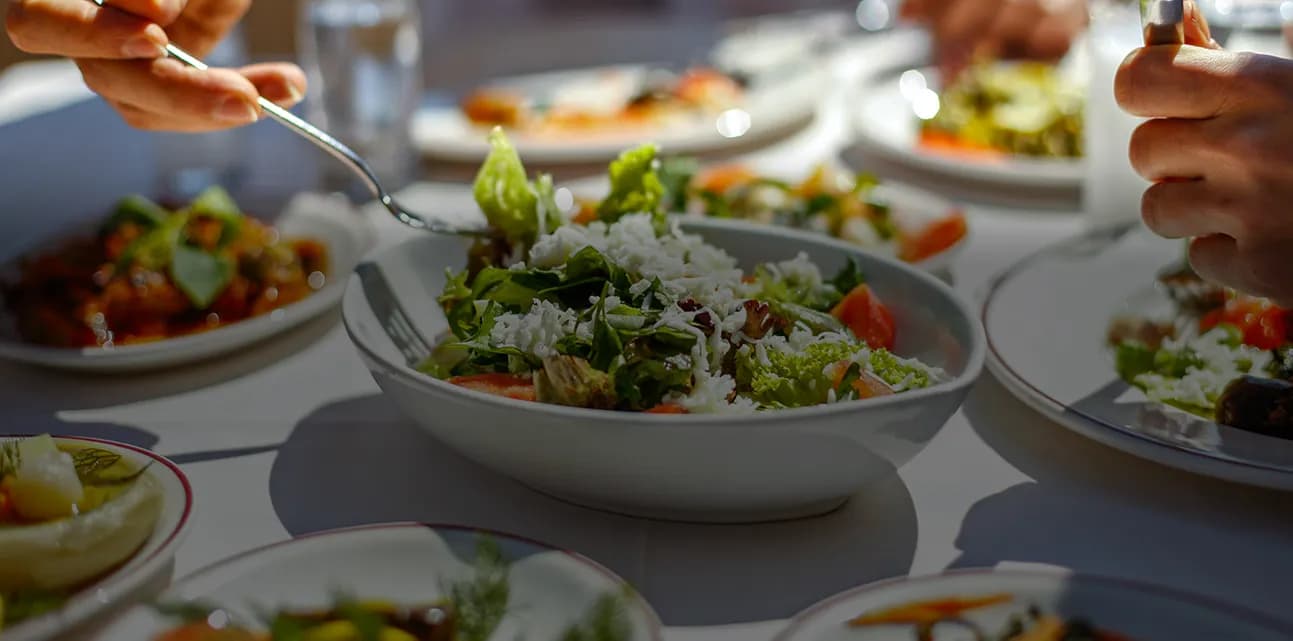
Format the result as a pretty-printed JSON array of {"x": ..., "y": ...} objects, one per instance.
[
  {"x": 635, "y": 186},
  {"x": 510, "y": 202}
]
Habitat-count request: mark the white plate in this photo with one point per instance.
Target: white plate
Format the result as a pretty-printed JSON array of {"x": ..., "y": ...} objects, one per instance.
[
  {"x": 1140, "y": 611},
  {"x": 402, "y": 563},
  {"x": 773, "y": 109},
  {"x": 1047, "y": 319},
  {"x": 775, "y": 465},
  {"x": 885, "y": 124},
  {"x": 146, "y": 566},
  {"x": 329, "y": 219}
]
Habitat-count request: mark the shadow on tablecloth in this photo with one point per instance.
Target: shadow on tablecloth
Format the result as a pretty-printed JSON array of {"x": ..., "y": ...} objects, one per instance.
[
  {"x": 1095, "y": 509},
  {"x": 359, "y": 461}
]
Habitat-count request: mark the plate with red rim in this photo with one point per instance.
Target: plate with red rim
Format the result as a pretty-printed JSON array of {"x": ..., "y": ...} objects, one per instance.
[
  {"x": 1124, "y": 610},
  {"x": 146, "y": 565},
  {"x": 409, "y": 564},
  {"x": 329, "y": 219}
]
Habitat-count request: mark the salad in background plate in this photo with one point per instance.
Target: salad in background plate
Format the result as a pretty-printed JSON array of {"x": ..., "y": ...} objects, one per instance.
[
  {"x": 627, "y": 312},
  {"x": 1030, "y": 624},
  {"x": 1216, "y": 353}
]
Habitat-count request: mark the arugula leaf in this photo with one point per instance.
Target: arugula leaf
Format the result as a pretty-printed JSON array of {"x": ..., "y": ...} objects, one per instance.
[
  {"x": 287, "y": 628},
  {"x": 186, "y": 611},
  {"x": 607, "y": 344},
  {"x": 635, "y": 186},
  {"x": 848, "y": 278},
  {"x": 28, "y": 604},
  {"x": 642, "y": 384},
  {"x": 458, "y": 304},
  {"x": 202, "y": 276},
  {"x": 216, "y": 203},
  {"x": 1133, "y": 358},
  {"x": 504, "y": 194},
  {"x": 136, "y": 209}
]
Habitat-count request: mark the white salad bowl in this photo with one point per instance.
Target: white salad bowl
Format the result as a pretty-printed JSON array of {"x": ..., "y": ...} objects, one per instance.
[
  {"x": 64, "y": 544},
  {"x": 714, "y": 468}
]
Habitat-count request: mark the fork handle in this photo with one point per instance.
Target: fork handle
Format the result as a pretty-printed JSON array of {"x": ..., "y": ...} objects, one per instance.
[{"x": 1164, "y": 22}]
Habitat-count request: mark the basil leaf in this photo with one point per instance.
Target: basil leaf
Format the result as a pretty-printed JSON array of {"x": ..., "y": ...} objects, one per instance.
[
  {"x": 136, "y": 209},
  {"x": 200, "y": 275},
  {"x": 216, "y": 203}
]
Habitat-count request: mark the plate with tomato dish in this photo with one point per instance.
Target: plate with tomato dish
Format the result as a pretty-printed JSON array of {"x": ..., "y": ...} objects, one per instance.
[
  {"x": 1016, "y": 123},
  {"x": 1154, "y": 360},
  {"x": 590, "y": 115},
  {"x": 151, "y": 286}
]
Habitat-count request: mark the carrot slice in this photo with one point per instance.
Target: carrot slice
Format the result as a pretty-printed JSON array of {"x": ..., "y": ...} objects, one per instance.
[
  {"x": 668, "y": 408},
  {"x": 505, "y": 385},
  {"x": 933, "y": 239}
]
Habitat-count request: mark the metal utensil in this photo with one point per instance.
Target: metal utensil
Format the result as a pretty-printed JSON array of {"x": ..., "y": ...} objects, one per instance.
[
  {"x": 1163, "y": 21},
  {"x": 334, "y": 147}
]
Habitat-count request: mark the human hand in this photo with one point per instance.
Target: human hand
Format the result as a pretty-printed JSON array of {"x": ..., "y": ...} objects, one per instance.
[
  {"x": 1219, "y": 151},
  {"x": 119, "y": 49},
  {"x": 966, "y": 29}
]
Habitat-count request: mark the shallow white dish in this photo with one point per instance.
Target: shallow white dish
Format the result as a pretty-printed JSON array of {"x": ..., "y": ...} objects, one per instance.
[
  {"x": 1046, "y": 320},
  {"x": 147, "y": 564},
  {"x": 331, "y": 220},
  {"x": 1142, "y": 612},
  {"x": 405, "y": 563},
  {"x": 885, "y": 124},
  {"x": 773, "y": 109},
  {"x": 773, "y": 465}
]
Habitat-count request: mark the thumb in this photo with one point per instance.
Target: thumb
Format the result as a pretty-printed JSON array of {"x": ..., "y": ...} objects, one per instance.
[{"x": 1197, "y": 31}]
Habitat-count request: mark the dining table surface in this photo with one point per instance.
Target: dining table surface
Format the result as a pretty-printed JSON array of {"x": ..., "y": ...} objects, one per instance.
[{"x": 293, "y": 436}]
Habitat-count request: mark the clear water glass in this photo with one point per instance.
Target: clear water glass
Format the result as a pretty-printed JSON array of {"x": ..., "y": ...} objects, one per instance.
[
  {"x": 189, "y": 163},
  {"x": 1112, "y": 191},
  {"x": 1250, "y": 25},
  {"x": 364, "y": 62}
]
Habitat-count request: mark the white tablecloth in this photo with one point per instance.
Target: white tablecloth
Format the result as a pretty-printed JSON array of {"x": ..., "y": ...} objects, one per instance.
[{"x": 999, "y": 485}]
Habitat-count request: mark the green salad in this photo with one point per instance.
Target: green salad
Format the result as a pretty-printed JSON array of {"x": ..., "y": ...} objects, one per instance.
[{"x": 629, "y": 313}]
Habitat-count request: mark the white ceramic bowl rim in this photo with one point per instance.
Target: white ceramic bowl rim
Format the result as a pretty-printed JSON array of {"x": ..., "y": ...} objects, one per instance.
[
  {"x": 163, "y": 551},
  {"x": 1209, "y": 603},
  {"x": 657, "y": 627},
  {"x": 995, "y": 286},
  {"x": 972, "y": 368}
]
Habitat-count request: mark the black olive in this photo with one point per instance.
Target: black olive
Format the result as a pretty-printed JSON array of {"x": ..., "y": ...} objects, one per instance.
[{"x": 1261, "y": 405}]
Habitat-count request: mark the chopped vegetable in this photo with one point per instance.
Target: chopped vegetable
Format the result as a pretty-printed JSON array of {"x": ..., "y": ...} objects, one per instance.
[
  {"x": 635, "y": 186},
  {"x": 513, "y": 206},
  {"x": 868, "y": 318}
]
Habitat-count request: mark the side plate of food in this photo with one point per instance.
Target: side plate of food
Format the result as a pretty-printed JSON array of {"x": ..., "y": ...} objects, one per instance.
[
  {"x": 153, "y": 287},
  {"x": 396, "y": 582},
  {"x": 1109, "y": 336},
  {"x": 999, "y": 605},
  {"x": 639, "y": 348},
  {"x": 590, "y": 115},
  {"x": 1012, "y": 124},
  {"x": 85, "y": 525}
]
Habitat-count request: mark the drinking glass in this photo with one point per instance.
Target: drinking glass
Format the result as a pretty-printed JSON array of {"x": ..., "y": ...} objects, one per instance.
[
  {"x": 1112, "y": 191},
  {"x": 189, "y": 163},
  {"x": 364, "y": 62}
]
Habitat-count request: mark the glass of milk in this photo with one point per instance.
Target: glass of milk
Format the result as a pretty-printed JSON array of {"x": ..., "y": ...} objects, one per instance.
[{"x": 1112, "y": 191}]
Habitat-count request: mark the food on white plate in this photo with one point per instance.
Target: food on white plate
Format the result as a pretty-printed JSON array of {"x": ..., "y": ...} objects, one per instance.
[
  {"x": 150, "y": 273},
  {"x": 610, "y": 101},
  {"x": 997, "y": 108},
  {"x": 628, "y": 312},
  {"x": 1219, "y": 354},
  {"x": 69, "y": 514},
  {"x": 925, "y": 617},
  {"x": 830, "y": 200},
  {"x": 471, "y": 611}
]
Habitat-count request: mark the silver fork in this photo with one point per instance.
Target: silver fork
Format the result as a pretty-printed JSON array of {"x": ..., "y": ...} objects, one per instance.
[
  {"x": 1163, "y": 21},
  {"x": 336, "y": 149}
]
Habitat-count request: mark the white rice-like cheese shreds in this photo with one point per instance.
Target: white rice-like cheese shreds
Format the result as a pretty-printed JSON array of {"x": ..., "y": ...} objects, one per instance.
[
  {"x": 538, "y": 331},
  {"x": 1202, "y": 386},
  {"x": 710, "y": 395}
]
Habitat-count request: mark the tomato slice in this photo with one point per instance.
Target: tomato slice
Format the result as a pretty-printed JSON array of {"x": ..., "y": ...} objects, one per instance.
[
  {"x": 506, "y": 385},
  {"x": 872, "y": 322},
  {"x": 1263, "y": 324},
  {"x": 668, "y": 408},
  {"x": 721, "y": 178},
  {"x": 933, "y": 239}
]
